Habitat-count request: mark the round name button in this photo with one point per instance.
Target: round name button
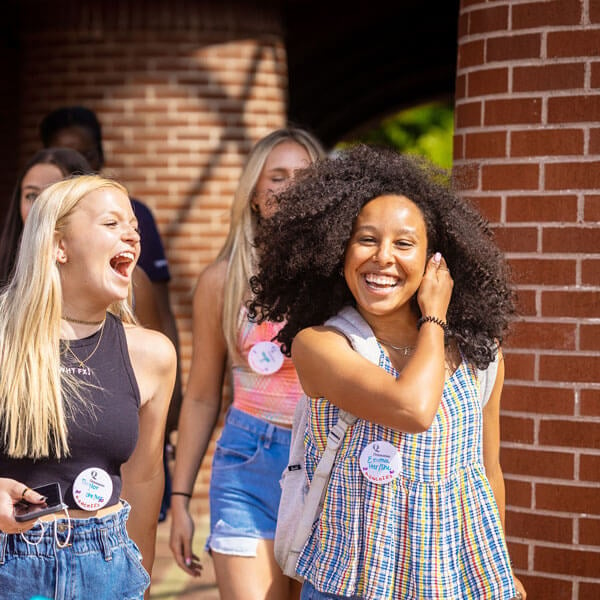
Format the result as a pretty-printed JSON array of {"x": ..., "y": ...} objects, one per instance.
[
  {"x": 92, "y": 489},
  {"x": 265, "y": 358},
  {"x": 380, "y": 462}
]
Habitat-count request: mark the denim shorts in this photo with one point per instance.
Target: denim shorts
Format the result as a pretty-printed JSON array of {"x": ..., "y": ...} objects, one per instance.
[
  {"x": 310, "y": 592},
  {"x": 249, "y": 459},
  {"x": 99, "y": 562}
]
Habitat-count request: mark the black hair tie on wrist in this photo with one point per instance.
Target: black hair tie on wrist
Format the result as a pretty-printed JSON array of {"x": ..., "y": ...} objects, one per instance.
[
  {"x": 432, "y": 319},
  {"x": 181, "y": 494}
]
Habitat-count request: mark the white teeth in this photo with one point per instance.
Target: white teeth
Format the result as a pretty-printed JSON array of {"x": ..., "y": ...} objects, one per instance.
[
  {"x": 122, "y": 261},
  {"x": 126, "y": 254},
  {"x": 381, "y": 279}
]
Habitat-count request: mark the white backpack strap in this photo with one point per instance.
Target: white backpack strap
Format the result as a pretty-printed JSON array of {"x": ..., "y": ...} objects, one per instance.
[
  {"x": 358, "y": 332},
  {"x": 313, "y": 504},
  {"x": 360, "y": 335},
  {"x": 487, "y": 379},
  {"x": 294, "y": 490}
]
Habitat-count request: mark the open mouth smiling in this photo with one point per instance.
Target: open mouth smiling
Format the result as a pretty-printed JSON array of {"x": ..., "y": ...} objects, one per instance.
[
  {"x": 381, "y": 282},
  {"x": 122, "y": 261}
]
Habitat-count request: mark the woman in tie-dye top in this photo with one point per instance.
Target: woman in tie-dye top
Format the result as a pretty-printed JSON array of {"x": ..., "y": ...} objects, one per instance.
[
  {"x": 252, "y": 450},
  {"x": 414, "y": 507}
]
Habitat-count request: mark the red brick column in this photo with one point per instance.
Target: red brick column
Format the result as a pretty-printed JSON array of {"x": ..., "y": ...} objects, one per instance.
[
  {"x": 527, "y": 146},
  {"x": 182, "y": 89}
]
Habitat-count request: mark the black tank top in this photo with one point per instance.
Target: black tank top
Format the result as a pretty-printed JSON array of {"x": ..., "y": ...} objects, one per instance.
[{"x": 102, "y": 436}]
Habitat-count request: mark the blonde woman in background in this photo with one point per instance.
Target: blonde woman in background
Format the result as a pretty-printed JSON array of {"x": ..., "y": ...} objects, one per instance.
[
  {"x": 84, "y": 394},
  {"x": 254, "y": 445}
]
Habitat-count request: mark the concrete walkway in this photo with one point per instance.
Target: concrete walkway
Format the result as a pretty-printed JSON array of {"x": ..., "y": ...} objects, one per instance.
[{"x": 169, "y": 581}]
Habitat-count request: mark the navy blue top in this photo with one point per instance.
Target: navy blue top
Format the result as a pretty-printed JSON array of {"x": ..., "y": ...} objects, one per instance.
[
  {"x": 152, "y": 256},
  {"x": 102, "y": 435}
]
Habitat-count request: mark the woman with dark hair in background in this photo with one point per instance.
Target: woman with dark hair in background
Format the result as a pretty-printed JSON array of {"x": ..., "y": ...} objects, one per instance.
[
  {"x": 44, "y": 168},
  {"x": 79, "y": 128}
]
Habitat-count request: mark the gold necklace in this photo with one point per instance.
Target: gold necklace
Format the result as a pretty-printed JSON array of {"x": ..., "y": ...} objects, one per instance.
[
  {"x": 405, "y": 350},
  {"x": 81, "y": 321},
  {"x": 82, "y": 362}
]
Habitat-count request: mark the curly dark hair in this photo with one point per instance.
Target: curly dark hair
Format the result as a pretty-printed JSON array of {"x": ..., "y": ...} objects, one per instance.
[{"x": 300, "y": 275}]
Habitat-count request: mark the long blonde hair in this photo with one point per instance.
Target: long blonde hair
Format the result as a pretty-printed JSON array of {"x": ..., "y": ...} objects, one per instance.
[
  {"x": 33, "y": 408},
  {"x": 238, "y": 248}
]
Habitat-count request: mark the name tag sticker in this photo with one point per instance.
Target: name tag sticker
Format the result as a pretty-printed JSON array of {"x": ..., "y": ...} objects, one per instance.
[{"x": 380, "y": 462}]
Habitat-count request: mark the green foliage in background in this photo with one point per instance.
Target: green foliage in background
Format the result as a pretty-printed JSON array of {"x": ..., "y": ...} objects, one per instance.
[{"x": 426, "y": 130}]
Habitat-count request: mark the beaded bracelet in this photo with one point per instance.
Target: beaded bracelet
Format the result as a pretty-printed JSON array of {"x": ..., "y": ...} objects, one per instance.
[
  {"x": 431, "y": 319},
  {"x": 181, "y": 494}
]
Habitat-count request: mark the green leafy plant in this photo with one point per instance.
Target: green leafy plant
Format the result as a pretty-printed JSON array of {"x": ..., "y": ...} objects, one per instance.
[{"x": 426, "y": 130}]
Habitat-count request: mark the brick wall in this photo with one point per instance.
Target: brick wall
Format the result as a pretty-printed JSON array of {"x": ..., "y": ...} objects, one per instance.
[
  {"x": 182, "y": 89},
  {"x": 527, "y": 146},
  {"x": 9, "y": 103}
]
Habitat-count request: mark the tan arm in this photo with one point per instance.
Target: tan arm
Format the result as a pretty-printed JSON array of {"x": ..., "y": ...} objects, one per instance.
[
  {"x": 491, "y": 451},
  {"x": 200, "y": 408},
  {"x": 154, "y": 361}
]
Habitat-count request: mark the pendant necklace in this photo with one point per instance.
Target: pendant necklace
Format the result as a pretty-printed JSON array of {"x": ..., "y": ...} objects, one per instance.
[
  {"x": 79, "y": 360},
  {"x": 404, "y": 350}
]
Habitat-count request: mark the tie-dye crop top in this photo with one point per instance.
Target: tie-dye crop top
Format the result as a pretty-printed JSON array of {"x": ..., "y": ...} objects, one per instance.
[{"x": 259, "y": 389}]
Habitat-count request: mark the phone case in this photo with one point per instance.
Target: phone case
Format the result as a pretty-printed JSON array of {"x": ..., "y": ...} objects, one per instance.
[
  {"x": 41, "y": 510},
  {"x": 24, "y": 511}
]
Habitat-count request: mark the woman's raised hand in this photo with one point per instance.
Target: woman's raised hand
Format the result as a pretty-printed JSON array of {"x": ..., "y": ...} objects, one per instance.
[{"x": 436, "y": 288}]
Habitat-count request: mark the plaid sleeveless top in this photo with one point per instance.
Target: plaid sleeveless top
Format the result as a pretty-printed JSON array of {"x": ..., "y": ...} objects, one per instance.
[{"x": 434, "y": 532}]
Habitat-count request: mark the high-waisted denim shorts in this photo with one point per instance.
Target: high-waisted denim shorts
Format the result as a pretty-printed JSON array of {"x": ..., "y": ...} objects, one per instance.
[
  {"x": 249, "y": 459},
  {"x": 99, "y": 562}
]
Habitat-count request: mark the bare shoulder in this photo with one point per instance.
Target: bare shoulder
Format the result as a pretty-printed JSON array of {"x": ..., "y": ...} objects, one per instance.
[
  {"x": 150, "y": 348},
  {"x": 209, "y": 290},
  {"x": 212, "y": 279},
  {"x": 319, "y": 352},
  {"x": 318, "y": 341}
]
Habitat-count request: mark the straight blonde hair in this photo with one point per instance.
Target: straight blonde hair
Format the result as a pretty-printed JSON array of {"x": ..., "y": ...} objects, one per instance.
[
  {"x": 33, "y": 405},
  {"x": 238, "y": 248}
]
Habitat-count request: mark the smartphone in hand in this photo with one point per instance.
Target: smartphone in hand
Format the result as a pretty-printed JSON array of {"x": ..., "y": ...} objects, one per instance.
[{"x": 25, "y": 511}]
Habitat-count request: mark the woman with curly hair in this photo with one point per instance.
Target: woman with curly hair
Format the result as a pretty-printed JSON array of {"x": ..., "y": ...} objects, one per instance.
[
  {"x": 253, "y": 447},
  {"x": 414, "y": 507}
]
